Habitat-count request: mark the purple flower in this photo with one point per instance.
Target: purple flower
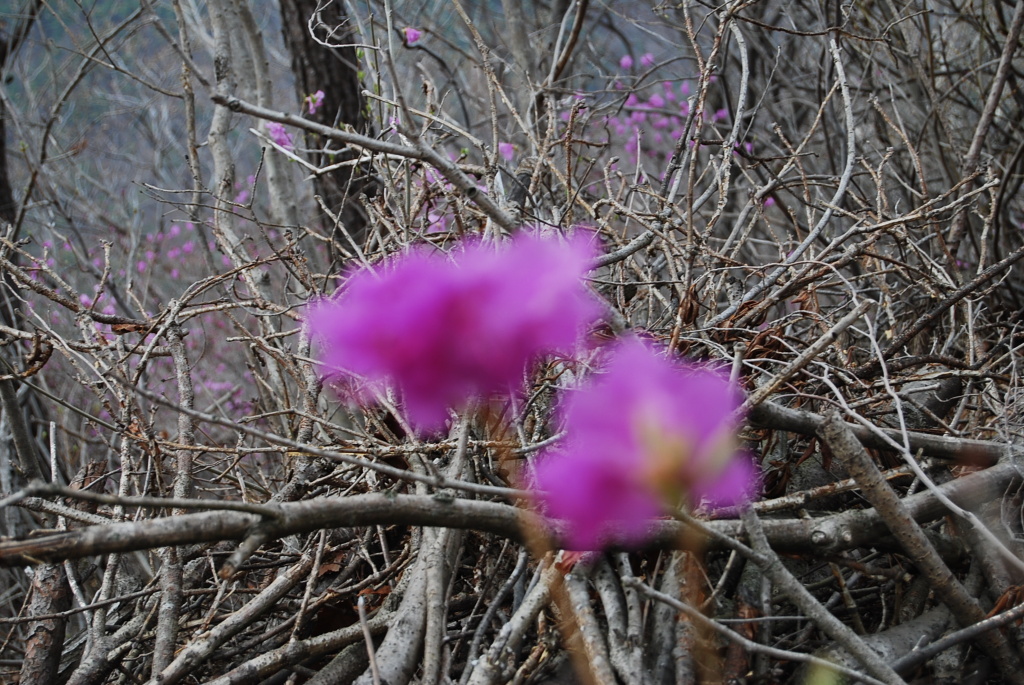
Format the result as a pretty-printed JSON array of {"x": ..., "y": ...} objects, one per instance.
[
  {"x": 412, "y": 36},
  {"x": 626, "y": 62},
  {"x": 507, "y": 151},
  {"x": 279, "y": 134},
  {"x": 646, "y": 435},
  {"x": 444, "y": 329},
  {"x": 315, "y": 101},
  {"x": 647, "y": 59}
]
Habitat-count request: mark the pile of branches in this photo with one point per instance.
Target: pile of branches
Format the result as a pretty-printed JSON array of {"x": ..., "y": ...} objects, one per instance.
[{"x": 196, "y": 504}]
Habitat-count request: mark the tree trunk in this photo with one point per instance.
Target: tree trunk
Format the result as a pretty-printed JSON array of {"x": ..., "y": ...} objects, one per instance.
[{"x": 335, "y": 71}]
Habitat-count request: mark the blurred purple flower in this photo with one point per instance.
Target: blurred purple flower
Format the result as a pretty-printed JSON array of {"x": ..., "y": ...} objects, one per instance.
[
  {"x": 444, "y": 329},
  {"x": 507, "y": 151},
  {"x": 279, "y": 134},
  {"x": 412, "y": 36},
  {"x": 646, "y": 435},
  {"x": 647, "y": 59},
  {"x": 626, "y": 62},
  {"x": 314, "y": 101}
]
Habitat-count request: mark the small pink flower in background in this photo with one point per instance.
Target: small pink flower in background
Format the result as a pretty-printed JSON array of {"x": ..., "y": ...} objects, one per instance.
[
  {"x": 646, "y": 435},
  {"x": 314, "y": 102},
  {"x": 437, "y": 222},
  {"x": 507, "y": 151},
  {"x": 444, "y": 329},
  {"x": 656, "y": 101},
  {"x": 647, "y": 60},
  {"x": 769, "y": 202},
  {"x": 279, "y": 134},
  {"x": 412, "y": 36},
  {"x": 626, "y": 62}
]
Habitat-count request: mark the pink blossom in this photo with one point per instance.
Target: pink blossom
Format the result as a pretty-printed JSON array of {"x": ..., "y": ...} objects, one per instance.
[
  {"x": 437, "y": 222},
  {"x": 444, "y": 329},
  {"x": 412, "y": 36},
  {"x": 626, "y": 62},
  {"x": 647, "y": 435},
  {"x": 647, "y": 59},
  {"x": 507, "y": 151},
  {"x": 279, "y": 134},
  {"x": 314, "y": 102}
]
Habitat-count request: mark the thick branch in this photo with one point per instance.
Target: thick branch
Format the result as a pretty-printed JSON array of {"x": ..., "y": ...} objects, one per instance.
[{"x": 825, "y": 535}]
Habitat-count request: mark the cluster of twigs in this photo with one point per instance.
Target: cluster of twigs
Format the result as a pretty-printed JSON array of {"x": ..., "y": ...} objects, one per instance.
[{"x": 194, "y": 505}]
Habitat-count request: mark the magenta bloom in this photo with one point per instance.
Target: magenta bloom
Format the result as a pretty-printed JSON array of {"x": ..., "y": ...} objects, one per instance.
[
  {"x": 646, "y": 435},
  {"x": 314, "y": 101},
  {"x": 412, "y": 36},
  {"x": 444, "y": 329},
  {"x": 507, "y": 151},
  {"x": 279, "y": 134},
  {"x": 626, "y": 62}
]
